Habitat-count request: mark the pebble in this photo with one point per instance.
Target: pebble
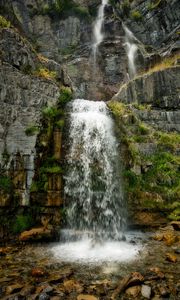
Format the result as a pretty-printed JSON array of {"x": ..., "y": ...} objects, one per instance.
[
  {"x": 44, "y": 296},
  {"x": 146, "y": 291}
]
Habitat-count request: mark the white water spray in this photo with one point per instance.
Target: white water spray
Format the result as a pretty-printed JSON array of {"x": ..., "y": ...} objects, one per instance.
[
  {"x": 96, "y": 214},
  {"x": 93, "y": 186},
  {"x": 97, "y": 31},
  {"x": 131, "y": 49}
]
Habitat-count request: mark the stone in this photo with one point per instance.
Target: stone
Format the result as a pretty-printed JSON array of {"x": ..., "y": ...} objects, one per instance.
[
  {"x": 133, "y": 291},
  {"x": 86, "y": 297},
  {"x": 35, "y": 234},
  {"x": 176, "y": 225},
  {"x": 27, "y": 290},
  {"x": 171, "y": 257},
  {"x": 157, "y": 272},
  {"x": 43, "y": 296},
  {"x": 59, "y": 276},
  {"x": 146, "y": 291},
  {"x": 72, "y": 285},
  {"x": 14, "y": 288},
  {"x": 38, "y": 272}
]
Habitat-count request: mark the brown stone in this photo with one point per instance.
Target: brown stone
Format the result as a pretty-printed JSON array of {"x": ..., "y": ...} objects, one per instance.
[
  {"x": 72, "y": 285},
  {"x": 136, "y": 278},
  {"x": 86, "y": 297},
  {"x": 158, "y": 272},
  {"x": 35, "y": 234},
  {"x": 176, "y": 225},
  {"x": 14, "y": 288},
  {"x": 38, "y": 272},
  {"x": 133, "y": 291},
  {"x": 54, "y": 198},
  {"x": 171, "y": 257},
  {"x": 57, "y": 143}
]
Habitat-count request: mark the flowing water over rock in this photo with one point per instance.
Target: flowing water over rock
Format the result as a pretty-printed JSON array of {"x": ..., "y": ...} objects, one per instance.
[
  {"x": 97, "y": 31},
  {"x": 96, "y": 212},
  {"x": 131, "y": 49}
]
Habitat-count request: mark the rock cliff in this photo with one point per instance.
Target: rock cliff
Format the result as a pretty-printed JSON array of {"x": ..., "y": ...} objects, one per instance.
[{"x": 46, "y": 49}]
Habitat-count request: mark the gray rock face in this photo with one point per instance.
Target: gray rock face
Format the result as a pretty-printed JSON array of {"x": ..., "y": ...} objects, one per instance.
[
  {"x": 154, "y": 25},
  {"x": 160, "y": 89}
]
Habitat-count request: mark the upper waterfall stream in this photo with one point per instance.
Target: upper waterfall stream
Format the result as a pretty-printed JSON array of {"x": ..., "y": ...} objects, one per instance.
[{"x": 97, "y": 30}]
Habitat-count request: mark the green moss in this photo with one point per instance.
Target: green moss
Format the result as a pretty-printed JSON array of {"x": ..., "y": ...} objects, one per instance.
[
  {"x": 50, "y": 112},
  {"x": 22, "y": 223},
  {"x": 60, "y": 124},
  {"x": 136, "y": 15},
  {"x": 31, "y": 130},
  {"x": 154, "y": 4},
  {"x": 52, "y": 170},
  {"x": 65, "y": 96},
  {"x": 143, "y": 128},
  {"x": 4, "y": 23},
  {"x": 117, "y": 108},
  {"x": 6, "y": 184}
]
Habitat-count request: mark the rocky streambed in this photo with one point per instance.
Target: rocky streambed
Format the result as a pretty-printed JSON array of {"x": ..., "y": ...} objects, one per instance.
[{"x": 33, "y": 272}]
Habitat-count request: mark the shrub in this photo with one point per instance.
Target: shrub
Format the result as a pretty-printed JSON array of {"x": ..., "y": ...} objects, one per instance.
[
  {"x": 4, "y": 23},
  {"x": 50, "y": 112},
  {"x": 136, "y": 15},
  {"x": 45, "y": 73},
  {"x": 65, "y": 96},
  {"x": 6, "y": 183},
  {"x": 31, "y": 130},
  {"x": 81, "y": 11},
  {"x": 22, "y": 223},
  {"x": 60, "y": 124}
]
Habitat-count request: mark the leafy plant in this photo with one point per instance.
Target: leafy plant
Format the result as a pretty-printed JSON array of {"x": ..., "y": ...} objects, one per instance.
[
  {"x": 65, "y": 96},
  {"x": 22, "y": 222},
  {"x": 136, "y": 15},
  {"x": 6, "y": 183},
  {"x": 45, "y": 73},
  {"x": 31, "y": 130},
  {"x": 4, "y": 23}
]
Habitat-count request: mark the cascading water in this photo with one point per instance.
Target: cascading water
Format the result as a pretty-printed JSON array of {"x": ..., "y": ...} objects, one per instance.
[
  {"x": 93, "y": 184},
  {"x": 131, "y": 48},
  {"x": 96, "y": 213},
  {"x": 97, "y": 30}
]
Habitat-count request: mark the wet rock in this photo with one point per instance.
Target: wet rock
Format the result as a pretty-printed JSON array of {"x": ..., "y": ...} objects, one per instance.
[
  {"x": 171, "y": 257},
  {"x": 38, "y": 272},
  {"x": 176, "y": 225},
  {"x": 146, "y": 291},
  {"x": 155, "y": 273},
  {"x": 164, "y": 291},
  {"x": 136, "y": 278},
  {"x": 59, "y": 276},
  {"x": 13, "y": 288},
  {"x": 44, "y": 296},
  {"x": 86, "y": 297},
  {"x": 167, "y": 235},
  {"x": 72, "y": 285},
  {"x": 133, "y": 291},
  {"x": 3, "y": 251},
  {"x": 27, "y": 290},
  {"x": 35, "y": 234}
]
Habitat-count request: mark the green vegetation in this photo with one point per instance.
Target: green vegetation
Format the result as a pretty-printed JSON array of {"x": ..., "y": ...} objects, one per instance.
[
  {"x": 31, "y": 130},
  {"x": 136, "y": 15},
  {"x": 22, "y": 222},
  {"x": 60, "y": 124},
  {"x": 45, "y": 73},
  {"x": 152, "y": 178},
  {"x": 4, "y": 23},
  {"x": 154, "y": 4},
  {"x": 6, "y": 183},
  {"x": 65, "y": 96}
]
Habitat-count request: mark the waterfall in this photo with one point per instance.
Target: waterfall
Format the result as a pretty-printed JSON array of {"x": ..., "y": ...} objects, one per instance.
[
  {"x": 97, "y": 30},
  {"x": 131, "y": 49},
  {"x": 93, "y": 188}
]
